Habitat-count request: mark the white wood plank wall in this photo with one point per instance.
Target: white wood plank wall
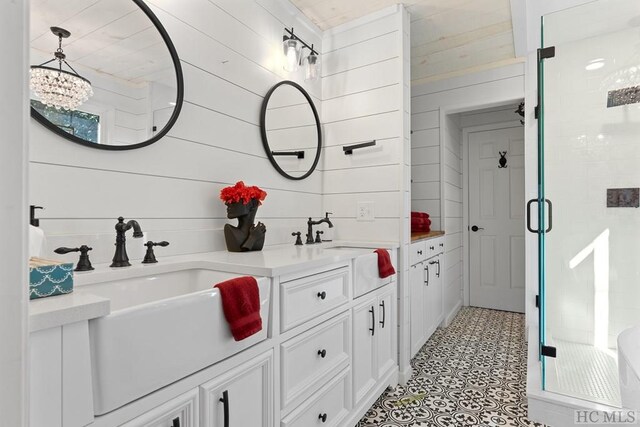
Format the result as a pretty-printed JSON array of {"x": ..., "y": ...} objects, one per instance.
[
  {"x": 231, "y": 54},
  {"x": 363, "y": 89}
]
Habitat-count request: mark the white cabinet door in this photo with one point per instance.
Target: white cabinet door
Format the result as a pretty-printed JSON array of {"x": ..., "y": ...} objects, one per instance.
[
  {"x": 429, "y": 271},
  {"x": 242, "y": 397},
  {"x": 436, "y": 306},
  {"x": 364, "y": 348},
  {"x": 416, "y": 295},
  {"x": 179, "y": 412},
  {"x": 385, "y": 331}
]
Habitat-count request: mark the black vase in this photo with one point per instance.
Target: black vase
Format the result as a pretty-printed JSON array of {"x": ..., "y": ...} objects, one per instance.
[{"x": 247, "y": 236}]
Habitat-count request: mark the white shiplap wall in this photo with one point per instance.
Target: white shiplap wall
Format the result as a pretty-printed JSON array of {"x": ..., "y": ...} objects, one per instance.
[
  {"x": 435, "y": 117},
  {"x": 366, "y": 87},
  {"x": 231, "y": 55},
  {"x": 362, "y": 101},
  {"x": 452, "y": 212}
]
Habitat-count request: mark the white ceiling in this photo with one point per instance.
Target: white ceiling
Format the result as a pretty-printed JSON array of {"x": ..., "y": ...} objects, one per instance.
[
  {"x": 112, "y": 37},
  {"x": 448, "y": 37}
]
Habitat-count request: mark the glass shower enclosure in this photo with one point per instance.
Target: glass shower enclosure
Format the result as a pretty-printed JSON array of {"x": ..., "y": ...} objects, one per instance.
[{"x": 589, "y": 190}]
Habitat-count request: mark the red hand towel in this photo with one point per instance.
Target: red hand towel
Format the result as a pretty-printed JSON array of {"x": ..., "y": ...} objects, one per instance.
[
  {"x": 420, "y": 222},
  {"x": 420, "y": 215},
  {"x": 385, "y": 268},
  {"x": 241, "y": 306}
]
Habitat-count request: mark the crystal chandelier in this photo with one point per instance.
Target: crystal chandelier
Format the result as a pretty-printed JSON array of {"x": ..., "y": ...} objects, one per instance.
[{"x": 57, "y": 87}]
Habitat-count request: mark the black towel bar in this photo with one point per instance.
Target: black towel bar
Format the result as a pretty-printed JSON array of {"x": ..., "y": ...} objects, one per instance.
[
  {"x": 348, "y": 149},
  {"x": 299, "y": 154}
]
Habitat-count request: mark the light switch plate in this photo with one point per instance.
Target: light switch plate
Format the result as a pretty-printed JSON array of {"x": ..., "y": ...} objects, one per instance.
[{"x": 365, "y": 211}]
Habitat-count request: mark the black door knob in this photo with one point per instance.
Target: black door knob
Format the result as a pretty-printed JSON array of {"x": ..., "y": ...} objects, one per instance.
[
  {"x": 323, "y": 417},
  {"x": 476, "y": 228},
  {"x": 322, "y": 353}
]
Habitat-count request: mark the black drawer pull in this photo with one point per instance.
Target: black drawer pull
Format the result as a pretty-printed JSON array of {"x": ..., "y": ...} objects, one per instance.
[
  {"x": 426, "y": 268},
  {"x": 175, "y": 422},
  {"x": 322, "y": 295},
  {"x": 384, "y": 314},
  {"x": 431, "y": 248},
  {"x": 419, "y": 252},
  {"x": 442, "y": 245},
  {"x": 373, "y": 321},
  {"x": 322, "y": 353},
  {"x": 323, "y": 417},
  {"x": 225, "y": 400}
]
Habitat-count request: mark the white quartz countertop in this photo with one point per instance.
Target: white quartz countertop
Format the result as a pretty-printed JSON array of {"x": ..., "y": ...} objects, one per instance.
[{"x": 270, "y": 262}]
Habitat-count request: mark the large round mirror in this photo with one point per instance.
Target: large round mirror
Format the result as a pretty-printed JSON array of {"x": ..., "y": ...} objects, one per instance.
[
  {"x": 290, "y": 130},
  {"x": 104, "y": 74}
]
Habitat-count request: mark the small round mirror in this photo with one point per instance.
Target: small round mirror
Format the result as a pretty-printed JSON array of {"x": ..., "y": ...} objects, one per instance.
[
  {"x": 103, "y": 74},
  {"x": 290, "y": 129}
]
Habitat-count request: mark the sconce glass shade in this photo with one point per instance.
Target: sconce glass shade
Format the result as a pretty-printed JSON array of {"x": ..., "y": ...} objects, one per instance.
[
  {"x": 292, "y": 50},
  {"x": 312, "y": 69}
]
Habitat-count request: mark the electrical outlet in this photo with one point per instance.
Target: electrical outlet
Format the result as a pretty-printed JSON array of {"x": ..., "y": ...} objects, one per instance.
[{"x": 365, "y": 211}]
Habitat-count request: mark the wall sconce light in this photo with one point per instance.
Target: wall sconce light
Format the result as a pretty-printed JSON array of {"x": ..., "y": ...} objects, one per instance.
[{"x": 293, "y": 50}]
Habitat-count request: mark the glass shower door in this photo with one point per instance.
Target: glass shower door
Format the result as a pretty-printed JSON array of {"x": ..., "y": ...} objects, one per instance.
[{"x": 590, "y": 171}]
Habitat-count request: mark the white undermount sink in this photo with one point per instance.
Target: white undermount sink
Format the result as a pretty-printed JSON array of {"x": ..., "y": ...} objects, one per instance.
[{"x": 162, "y": 328}]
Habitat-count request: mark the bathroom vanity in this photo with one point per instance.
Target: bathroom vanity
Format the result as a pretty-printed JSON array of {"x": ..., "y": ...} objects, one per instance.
[{"x": 149, "y": 345}]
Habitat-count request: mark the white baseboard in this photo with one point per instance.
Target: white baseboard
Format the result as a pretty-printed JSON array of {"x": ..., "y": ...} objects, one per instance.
[{"x": 451, "y": 315}]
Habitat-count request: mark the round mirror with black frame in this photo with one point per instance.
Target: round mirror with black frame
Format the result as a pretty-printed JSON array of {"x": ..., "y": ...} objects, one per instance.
[
  {"x": 115, "y": 81},
  {"x": 290, "y": 129}
]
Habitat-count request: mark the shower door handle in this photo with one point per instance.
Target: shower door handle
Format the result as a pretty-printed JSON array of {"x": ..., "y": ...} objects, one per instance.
[{"x": 529, "y": 203}]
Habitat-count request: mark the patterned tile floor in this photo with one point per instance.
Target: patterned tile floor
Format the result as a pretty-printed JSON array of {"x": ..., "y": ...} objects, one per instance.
[{"x": 472, "y": 373}]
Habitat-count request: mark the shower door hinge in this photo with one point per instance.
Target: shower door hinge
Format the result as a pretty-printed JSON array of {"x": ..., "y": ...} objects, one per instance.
[
  {"x": 548, "y": 351},
  {"x": 536, "y": 111},
  {"x": 546, "y": 53},
  {"x": 538, "y": 301}
]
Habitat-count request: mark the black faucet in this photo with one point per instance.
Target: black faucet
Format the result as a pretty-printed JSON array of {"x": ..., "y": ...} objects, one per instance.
[
  {"x": 121, "y": 259},
  {"x": 310, "y": 225}
]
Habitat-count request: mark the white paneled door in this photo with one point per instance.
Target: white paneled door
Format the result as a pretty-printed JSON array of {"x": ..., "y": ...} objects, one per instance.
[{"x": 496, "y": 219}]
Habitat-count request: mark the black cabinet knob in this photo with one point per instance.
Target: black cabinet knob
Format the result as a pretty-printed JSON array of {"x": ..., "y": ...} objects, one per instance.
[
  {"x": 322, "y": 353},
  {"x": 322, "y": 295},
  {"x": 419, "y": 252},
  {"x": 323, "y": 417},
  {"x": 431, "y": 248}
]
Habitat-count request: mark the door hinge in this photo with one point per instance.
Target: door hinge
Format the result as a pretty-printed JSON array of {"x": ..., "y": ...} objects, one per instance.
[
  {"x": 546, "y": 53},
  {"x": 538, "y": 301},
  {"x": 548, "y": 351}
]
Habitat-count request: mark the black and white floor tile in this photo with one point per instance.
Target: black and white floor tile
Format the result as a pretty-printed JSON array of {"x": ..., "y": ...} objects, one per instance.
[{"x": 472, "y": 373}]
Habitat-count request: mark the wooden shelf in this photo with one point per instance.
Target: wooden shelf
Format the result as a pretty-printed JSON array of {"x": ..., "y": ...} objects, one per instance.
[{"x": 422, "y": 235}]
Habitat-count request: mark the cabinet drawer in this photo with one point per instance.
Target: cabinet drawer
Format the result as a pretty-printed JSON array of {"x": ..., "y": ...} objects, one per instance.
[
  {"x": 417, "y": 252},
  {"x": 327, "y": 408},
  {"x": 179, "y": 412},
  {"x": 309, "y": 359},
  {"x": 308, "y": 297},
  {"x": 431, "y": 247}
]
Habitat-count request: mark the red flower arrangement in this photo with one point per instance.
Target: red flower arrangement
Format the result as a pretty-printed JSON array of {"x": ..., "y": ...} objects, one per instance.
[{"x": 242, "y": 193}]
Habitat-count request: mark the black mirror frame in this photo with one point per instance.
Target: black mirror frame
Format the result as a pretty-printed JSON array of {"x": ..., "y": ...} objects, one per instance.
[
  {"x": 263, "y": 130},
  {"x": 176, "y": 111}
]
